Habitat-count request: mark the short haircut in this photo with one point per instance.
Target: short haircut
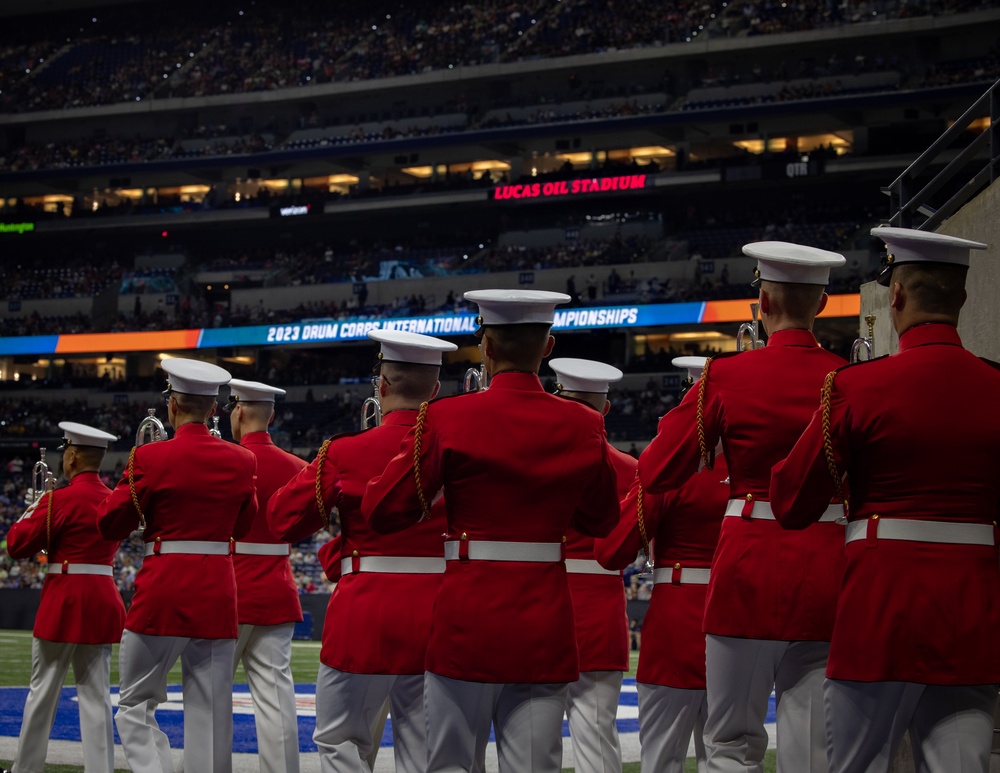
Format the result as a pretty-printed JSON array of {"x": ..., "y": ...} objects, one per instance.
[
  {"x": 935, "y": 288},
  {"x": 257, "y": 410},
  {"x": 195, "y": 405},
  {"x": 89, "y": 456},
  {"x": 522, "y": 345},
  {"x": 798, "y": 301},
  {"x": 410, "y": 380}
]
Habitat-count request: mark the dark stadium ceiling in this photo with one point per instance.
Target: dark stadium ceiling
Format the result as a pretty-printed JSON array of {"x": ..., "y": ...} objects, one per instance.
[{"x": 26, "y": 7}]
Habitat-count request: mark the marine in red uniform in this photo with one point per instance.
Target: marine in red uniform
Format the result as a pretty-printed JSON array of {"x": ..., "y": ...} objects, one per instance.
[
  {"x": 80, "y": 614},
  {"x": 192, "y": 495},
  {"x": 683, "y": 528},
  {"x": 918, "y": 618},
  {"x": 517, "y": 467},
  {"x": 772, "y": 594},
  {"x": 598, "y": 599},
  {"x": 267, "y": 598},
  {"x": 378, "y": 620}
]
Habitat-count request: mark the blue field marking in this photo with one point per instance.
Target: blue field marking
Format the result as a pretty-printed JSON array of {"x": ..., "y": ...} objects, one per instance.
[{"x": 170, "y": 716}]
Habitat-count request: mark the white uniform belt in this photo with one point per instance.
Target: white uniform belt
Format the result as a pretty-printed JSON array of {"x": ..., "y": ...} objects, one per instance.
[
  {"x": 67, "y": 568},
  {"x": 588, "y": 566},
  {"x": 688, "y": 576},
  {"x": 484, "y": 550},
  {"x": 761, "y": 511},
  {"x": 947, "y": 532},
  {"x": 393, "y": 564},
  {"x": 191, "y": 547},
  {"x": 262, "y": 549}
]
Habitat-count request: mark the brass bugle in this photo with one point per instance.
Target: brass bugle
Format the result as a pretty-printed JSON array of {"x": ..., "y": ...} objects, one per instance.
[
  {"x": 215, "y": 431},
  {"x": 150, "y": 429},
  {"x": 42, "y": 479},
  {"x": 864, "y": 343},
  {"x": 750, "y": 329},
  {"x": 371, "y": 409}
]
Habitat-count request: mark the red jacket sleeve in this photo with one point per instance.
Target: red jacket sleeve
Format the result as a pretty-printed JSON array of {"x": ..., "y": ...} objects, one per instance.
[
  {"x": 391, "y": 503},
  {"x": 600, "y": 509},
  {"x": 674, "y": 454},
  {"x": 244, "y": 521},
  {"x": 293, "y": 512},
  {"x": 27, "y": 536},
  {"x": 622, "y": 545},
  {"x": 329, "y": 558},
  {"x": 802, "y": 484},
  {"x": 117, "y": 517}
]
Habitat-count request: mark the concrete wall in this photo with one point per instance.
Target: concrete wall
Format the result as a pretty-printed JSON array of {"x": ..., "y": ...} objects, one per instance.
[{"x": 980, "y": 322}]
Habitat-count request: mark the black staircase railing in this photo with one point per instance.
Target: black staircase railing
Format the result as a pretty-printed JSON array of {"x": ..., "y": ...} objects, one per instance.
[{"x": 908, "y": 199}]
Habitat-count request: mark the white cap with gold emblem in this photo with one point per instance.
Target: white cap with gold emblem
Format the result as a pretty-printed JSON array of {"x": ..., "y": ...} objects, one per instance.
[
  {"x": 790, "y": 263},
  {"x": 576, "y": 375},
  {"x": 194, "y": 377},
  {"x": 252, "y": 391},
  {"x": 402, "y": 346},
  {"x": 693, "y": 365},
  {"x": 908, "y": 245},
  {"x": 75, "y": 434},
  {"x": 516, "y": 307}
]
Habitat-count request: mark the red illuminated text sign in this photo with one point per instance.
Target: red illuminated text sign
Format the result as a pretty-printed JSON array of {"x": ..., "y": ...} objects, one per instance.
[{"x": 627, "y": 182}]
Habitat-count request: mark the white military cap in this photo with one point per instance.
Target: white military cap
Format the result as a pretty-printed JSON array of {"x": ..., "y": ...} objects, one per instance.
[
  {"x": 194, "y": 377},
  {"x": 402, "y": 346},
  {"x": 516, "y": 307},
  {"x": 693, "y": 365},
  {"x": 908, "y": 245},
  {"x": 793, "y": 263},
  {"x": 75, "y": 434},
  {"x": 577, "y": 375},
  {"x": 252, "y": 391}
]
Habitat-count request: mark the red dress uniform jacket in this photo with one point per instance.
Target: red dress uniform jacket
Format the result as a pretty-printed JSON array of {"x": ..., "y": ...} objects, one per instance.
[
  {"x": 766, "y": 583},
  {"x": 329, "y": 559},
  {"x": 684, "y": 528},
  {"x": 266, "y": 593},
  {"x": 377, "y": 623},
  {"x": 599, "y": 599},
  {"x": 74, "y": 608},
  {"x": 919, "y": 440},
  {"x": 516, "y": 465},
  {"x": 192, "y": 487}
]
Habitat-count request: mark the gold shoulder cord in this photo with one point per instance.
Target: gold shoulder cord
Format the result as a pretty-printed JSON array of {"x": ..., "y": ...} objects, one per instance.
[
  {"x": 831, "y": 462},
  {"x": 417, "y": 443},
  {"x": 131, "y": 488},
  {"x": 320, "y": 458},
  {"x": 706, "y": 457},
  {"x": 48, "y": 524},
  {"x": 640, "y": 516}
]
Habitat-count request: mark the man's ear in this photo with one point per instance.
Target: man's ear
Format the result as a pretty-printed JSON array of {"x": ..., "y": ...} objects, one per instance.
[
  {"x": 487, "y": 344},
  {"x": 437, "y": 388},
  {"x": 382, "y": 386},
  {"x": 897, "y": 296},
  {"x": 765, "y": 302},
  {"x": 824, "y": 299},
  {"x": 548, "y": 346},
  {"x": 607, "y": 407}
]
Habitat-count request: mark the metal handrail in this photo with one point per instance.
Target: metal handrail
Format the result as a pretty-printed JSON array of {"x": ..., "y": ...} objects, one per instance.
[{"x": 905, "y": 202}]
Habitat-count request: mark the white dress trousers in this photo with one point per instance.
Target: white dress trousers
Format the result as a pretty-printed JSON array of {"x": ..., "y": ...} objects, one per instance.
[
  {"x": 92, "y": 671},
  {"x": 526, "y": 720},
  {"x": 668, "y": 717},
  {"x": 207, "y": 683},
  {"x": 740, "y": 674},
  {"x": 266, "y": 654},
  {"x": 591, "y": 709},
  {"x": 951, "y": 727},
  {"x": 350, "y": 715}
]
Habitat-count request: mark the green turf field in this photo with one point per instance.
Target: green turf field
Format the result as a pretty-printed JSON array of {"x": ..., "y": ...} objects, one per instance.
[{"x": 15, "y": 671}]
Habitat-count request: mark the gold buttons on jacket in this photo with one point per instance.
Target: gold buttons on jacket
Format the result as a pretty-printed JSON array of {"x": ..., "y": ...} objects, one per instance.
[
  {"x": 875, "y": 517},
  {"x": 355, "y": 554},
  {"x": 749, "y": 497},
  {"x": 677, "y": 565},
  {"x": 464, "y": 536}
]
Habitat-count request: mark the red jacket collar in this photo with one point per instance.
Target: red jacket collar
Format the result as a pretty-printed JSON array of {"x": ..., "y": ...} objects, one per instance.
[
  {"x": 931, "y": 333},
  {"x": 792, "y": 337},
  {"x": 525, "y": 382},
  {"x": 402, "y": 417},
  {"x": 259, "y": 438},
  {"x": 193, "y": 428}
]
